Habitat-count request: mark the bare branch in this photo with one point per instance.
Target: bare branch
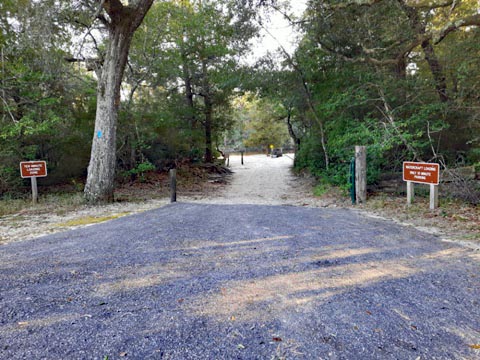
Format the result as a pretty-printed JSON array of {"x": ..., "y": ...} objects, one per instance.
[
  {"x": 285, "y": 15},
  {"x": 428, "y": 4},
  {"x": 388, "y": 114},
  {"x": 437, "y": 37}
]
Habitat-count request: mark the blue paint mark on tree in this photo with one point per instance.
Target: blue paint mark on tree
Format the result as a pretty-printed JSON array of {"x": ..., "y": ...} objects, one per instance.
[{"x": 99, "y": 134}]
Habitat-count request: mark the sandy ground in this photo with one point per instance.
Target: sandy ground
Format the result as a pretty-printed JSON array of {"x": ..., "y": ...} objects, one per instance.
[{"x": 263, "y": 180}]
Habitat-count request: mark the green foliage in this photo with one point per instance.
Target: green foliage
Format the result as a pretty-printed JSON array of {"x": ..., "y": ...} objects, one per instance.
[
  {"x": 262, "y": 122},
  {"x": 397, "y": 113},
  {"x": 46, "y": 107},
  {"x": 140, "y": 170},
  {"x": 187, "y": 84},
  {"x": 321, "y": 189}
]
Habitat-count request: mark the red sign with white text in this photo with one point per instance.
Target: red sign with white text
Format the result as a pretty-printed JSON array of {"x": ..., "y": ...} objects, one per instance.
[
  {"x": 423, "y": 173},
  {"x": 29, "y": 169}
]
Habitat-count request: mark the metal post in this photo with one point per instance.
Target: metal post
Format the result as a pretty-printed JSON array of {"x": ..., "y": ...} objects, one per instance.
[
  {"x": 352, "y": 180},
  {"x": 241, "y": 153},
  {"x": 34, "y": 190},
  {"x": 410, "y": 192},
  {"x": 173, "y": 185},
  {"x": 361, "y": 174}
]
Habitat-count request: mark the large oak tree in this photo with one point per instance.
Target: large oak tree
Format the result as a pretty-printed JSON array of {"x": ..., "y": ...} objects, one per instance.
[{"x": 121, "y": 21}]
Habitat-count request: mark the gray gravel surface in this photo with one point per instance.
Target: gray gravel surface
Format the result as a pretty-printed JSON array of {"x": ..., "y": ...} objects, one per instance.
[{"x": 205, "y": 281}]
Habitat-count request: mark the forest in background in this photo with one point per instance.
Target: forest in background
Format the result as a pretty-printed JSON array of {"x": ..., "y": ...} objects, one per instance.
[{"x": 399, "y": 76}]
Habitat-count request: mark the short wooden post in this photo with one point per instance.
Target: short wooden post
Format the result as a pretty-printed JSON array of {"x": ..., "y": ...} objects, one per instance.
[
  {"x": 34, "y": 190},
  {"x": 173, "y": 185},
  {"x": 241, "y": 153},
  {"x": 360, "y": 174},
  {"x": 228, "y": 160},
  {"x": 433, "y": 196},
  {"x": 410, "y": 192}
]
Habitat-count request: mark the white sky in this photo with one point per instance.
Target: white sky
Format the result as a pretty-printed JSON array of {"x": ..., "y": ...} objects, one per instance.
[{"x": 281, "y": 32}]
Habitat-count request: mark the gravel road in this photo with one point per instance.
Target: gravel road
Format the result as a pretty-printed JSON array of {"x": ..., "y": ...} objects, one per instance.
[{"x": 240, "y": 281}]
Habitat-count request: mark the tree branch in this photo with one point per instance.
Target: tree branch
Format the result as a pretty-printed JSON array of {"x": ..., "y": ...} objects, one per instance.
[
  {"x": 112, "y": 7},
  {"x": 99, "y": 10},
  {"x": 473, "y": 20},
  {"x": 419, "y": 4},
  {"x": 437, "y": 37},
  {"x": 140, "y": 11}
]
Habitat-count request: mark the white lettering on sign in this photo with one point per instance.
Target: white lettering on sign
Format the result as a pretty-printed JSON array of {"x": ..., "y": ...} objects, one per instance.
[
  {"x": 428, "y": 173},
  {"x": 30, "y": 169}
]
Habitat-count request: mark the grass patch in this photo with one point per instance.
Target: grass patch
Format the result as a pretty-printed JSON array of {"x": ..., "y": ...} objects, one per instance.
[
  {"x": 12, "y": 206},
  {"x": 58, "y": 203},
  {"x": 88, "y": 220},
  {"x": 321, "y": 189}
]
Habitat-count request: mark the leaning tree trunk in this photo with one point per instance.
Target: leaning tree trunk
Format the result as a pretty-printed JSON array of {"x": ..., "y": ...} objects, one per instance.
[{"x": 121, "y": 23}]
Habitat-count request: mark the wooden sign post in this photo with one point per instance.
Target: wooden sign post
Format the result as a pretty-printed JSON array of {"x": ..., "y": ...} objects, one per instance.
[
  {"x": 32, "y": 170},
  {"x": 422, "y": 173},
  {"x": 173, "y": 185},
  {"x": 361, "y": 174}
]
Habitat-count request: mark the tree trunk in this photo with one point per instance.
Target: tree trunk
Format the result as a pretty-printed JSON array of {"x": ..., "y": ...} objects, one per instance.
[
  {"x": 208, "y": 112},
  {"x": 436, "y": 69},
  {"x": 318, "y": 120},
  {"x": 294, "y": 136},
  {"x": 124, "y": 20},
  {"x": 208, "y": 130},
  {"x": 190, "y": 116},
  {"x": 101, "y": 170}
]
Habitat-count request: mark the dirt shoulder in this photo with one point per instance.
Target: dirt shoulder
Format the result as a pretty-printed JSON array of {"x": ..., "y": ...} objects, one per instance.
[
  {"x": 452, "y": 221},
  {"x": 66, "y": 211}
]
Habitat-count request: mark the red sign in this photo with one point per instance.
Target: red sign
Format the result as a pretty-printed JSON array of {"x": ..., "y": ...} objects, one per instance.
[
  {"x": 423, "y": 173},
  {"x": 29, "y": 169}
]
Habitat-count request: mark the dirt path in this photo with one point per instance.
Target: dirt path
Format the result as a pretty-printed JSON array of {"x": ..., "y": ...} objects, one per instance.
[{"x": 263, "y": 180}]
